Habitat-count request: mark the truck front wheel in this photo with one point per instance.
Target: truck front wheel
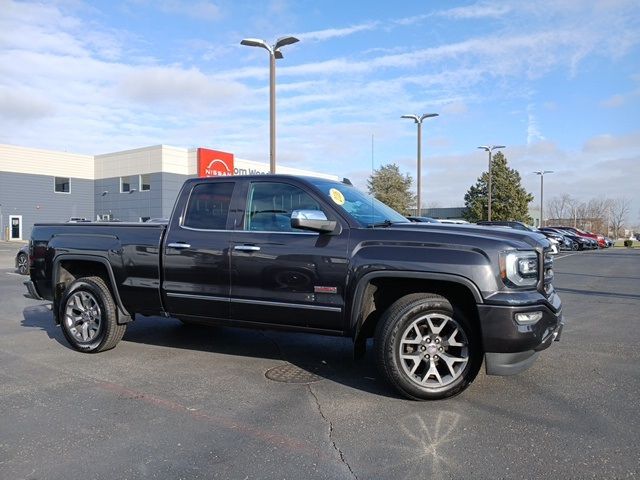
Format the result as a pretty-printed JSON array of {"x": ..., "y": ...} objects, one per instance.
[
  {"x": 88, "y": 316},
  {"x": 427, "y": 349}
]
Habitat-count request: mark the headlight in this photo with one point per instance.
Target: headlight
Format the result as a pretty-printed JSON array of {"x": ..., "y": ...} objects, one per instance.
[{"x": 519, "y": 269}]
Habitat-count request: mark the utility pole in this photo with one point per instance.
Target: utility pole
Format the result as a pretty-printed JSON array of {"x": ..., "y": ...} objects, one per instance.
[
  {"x": 541, "y": 173},
  {"x": 418, "y": 120},
  {"x": 274, "y": 53},
  {"x": 490, "y": 149}
]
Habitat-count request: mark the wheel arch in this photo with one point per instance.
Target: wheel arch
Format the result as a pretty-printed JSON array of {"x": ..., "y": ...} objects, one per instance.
[
  {"x": 68, "y": 268},
  {"x": 376, "y": 291}
]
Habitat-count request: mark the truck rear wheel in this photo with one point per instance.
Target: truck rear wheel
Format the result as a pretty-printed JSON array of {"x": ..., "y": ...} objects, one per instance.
[
  {"x": 88, "y": 316},
  {"x": 427, "y": 349}
]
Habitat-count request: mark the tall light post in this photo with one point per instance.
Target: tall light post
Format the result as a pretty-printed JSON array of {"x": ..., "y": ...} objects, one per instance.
[
  {"x": 541, "y": 173},
  {"x": 274, "y": 53},
  {"x": 490, "y": 149},
  {"x": 418, "y": 120}
]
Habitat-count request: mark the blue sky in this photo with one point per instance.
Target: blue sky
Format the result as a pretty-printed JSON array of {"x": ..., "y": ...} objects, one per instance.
[{"x": 557, "y": 81}]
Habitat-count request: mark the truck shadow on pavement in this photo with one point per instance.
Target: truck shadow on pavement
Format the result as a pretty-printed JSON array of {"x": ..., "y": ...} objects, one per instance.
[
  {"x": 39, "y": 316},
  {"x": 329, "y": 358}
]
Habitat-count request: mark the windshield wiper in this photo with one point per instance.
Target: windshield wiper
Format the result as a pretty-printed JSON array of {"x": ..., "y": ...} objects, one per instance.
[{"x": 385, "y": 223}]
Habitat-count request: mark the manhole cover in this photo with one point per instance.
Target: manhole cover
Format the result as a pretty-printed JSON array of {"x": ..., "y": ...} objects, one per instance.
[{"x": 288, "y": 373}]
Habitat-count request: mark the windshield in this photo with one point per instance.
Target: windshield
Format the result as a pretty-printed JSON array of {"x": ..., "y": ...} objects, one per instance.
[{"x": 364, "y": 208}]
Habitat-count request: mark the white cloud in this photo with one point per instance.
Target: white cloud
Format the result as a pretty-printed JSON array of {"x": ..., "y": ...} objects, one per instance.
[
  {"x": 614, "y": 101},
  {"x": 329, "y": 33},
  {"x": 533, "y": 128},
  {"x": 204, "y": 10},
  {"x": 177, "y": 86},
  {"x": 19, "y": 104},
  {"x": 609, "y": 143},
  {"x": 478, "y": 10},
  {"x": 456, "y": 107}
]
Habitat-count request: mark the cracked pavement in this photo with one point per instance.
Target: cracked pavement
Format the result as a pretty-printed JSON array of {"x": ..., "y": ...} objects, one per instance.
[{"x": 175, "y": 401}]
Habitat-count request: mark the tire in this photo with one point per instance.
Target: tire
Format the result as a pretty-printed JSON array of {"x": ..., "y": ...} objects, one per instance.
[
  {"x": 413, "y": 359},
  {"x": 23, "y": 264},
  {"x": 88, "y": 316}
]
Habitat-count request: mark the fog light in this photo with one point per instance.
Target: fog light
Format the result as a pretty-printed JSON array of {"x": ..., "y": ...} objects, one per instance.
[{"x": 527, "y": 318}]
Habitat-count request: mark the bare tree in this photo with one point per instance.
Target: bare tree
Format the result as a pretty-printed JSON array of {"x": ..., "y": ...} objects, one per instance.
[
  {"x": 619, "y": 210},
  {"x": 558, "y": 207}
]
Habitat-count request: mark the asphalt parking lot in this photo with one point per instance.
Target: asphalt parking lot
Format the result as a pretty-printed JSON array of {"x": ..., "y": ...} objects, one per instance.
[{"x": 174, "y": 401}]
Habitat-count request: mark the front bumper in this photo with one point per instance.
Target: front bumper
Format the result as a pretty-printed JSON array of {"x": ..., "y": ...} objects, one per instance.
[{"x": 511, "y": 348}]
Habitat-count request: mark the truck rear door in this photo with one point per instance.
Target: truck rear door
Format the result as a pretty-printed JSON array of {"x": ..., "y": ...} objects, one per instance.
[{"x": 196, "y": 251}]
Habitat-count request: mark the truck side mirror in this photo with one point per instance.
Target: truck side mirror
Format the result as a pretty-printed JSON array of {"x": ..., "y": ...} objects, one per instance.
[{"x": 314, "y": 220}]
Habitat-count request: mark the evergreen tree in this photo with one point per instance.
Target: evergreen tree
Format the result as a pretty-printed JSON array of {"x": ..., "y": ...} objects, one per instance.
[
  {"x": 509, "y": 200},
  {"x": 389, "y": 186}
]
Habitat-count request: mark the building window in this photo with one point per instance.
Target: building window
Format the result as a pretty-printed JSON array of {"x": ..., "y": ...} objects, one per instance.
[
  {"x": 145, "y": 182},
  {"x": 62, "y": 185},
  {"x": 125, "y": 184}
]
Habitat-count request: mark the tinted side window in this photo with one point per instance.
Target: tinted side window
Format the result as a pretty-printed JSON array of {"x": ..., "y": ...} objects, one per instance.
[
  {"x": 270, "y": 206},
  {"x": 208, "y": 206}
]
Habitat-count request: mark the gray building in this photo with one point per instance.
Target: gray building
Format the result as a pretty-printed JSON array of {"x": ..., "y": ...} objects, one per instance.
[
  {"x": 39, "y": 186},
  {"x": 445, "y": 213}
]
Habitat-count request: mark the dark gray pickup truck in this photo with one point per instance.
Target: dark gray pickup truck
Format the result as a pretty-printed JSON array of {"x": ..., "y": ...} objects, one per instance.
[{"x": 310, "y": 255}]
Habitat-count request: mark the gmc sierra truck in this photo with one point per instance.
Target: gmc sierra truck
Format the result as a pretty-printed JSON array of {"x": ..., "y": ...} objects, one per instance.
[{"x": 311, "y": 255}]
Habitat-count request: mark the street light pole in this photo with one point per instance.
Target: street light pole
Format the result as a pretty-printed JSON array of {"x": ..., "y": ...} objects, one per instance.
[
  {"x": 489, "y": 190},
  {"x": 418, "y": 120},
  {"x": 541, "y": 173},
  {"x": 274, "y": 54}
]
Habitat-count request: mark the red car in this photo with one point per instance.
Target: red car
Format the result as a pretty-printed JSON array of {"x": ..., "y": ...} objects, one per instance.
[{"x": 602, "y": 243}]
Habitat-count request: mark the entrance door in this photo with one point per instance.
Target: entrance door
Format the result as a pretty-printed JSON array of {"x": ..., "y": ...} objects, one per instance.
[{"x": 15, "y": 227}]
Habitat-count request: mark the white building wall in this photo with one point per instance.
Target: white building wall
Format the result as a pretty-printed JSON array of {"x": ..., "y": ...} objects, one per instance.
[
  {"x": 249, "y": 167},
  {"x": 129, "y": 162},
  {"x": 175, "y": 160},
  {"x": 192, "y": 159},
  {"x": 45, "y": 162},
  {"x": 153, "y": 159}
]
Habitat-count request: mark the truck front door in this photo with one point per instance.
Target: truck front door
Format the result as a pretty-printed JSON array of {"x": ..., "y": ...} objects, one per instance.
[{"x": 284, "y": 276}]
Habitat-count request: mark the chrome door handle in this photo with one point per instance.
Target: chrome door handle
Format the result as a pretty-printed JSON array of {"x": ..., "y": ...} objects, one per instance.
[
  {"x": 247, "y": 248},
  {"x": 178, "y": 245}
]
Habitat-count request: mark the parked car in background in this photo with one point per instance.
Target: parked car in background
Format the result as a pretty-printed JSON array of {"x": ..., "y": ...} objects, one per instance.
[
  {"x": 571, "y": 241},
  {"x": 609, "y": 242},
  {"x": 22, "y": 260},
  {"x": 457, "y": 222},
  {"x": 510, "y": 224},
  {"x": 564, "y": 243},
  {"x": 78, "y": 220},
  {"x": 555, "y": 242},
  {"x": 599, "y": 239},
  {"x": 586, "y": 241},
  {"x": 423, "y": 220}
]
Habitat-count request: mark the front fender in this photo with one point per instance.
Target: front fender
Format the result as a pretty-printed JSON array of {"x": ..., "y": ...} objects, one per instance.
[{"x": 357, "y": 317}]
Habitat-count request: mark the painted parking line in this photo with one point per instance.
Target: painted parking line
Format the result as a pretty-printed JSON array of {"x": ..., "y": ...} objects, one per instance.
[
  {"x": 14, "y": 273},
  {"x": 565, "y": 256}
]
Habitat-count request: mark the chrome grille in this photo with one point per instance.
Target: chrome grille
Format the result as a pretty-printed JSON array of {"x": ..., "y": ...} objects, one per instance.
[{"x": 547, "y": 271}]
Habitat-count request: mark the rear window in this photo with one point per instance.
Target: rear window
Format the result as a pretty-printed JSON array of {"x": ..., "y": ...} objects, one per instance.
[{"x": 208, "y": 206}]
